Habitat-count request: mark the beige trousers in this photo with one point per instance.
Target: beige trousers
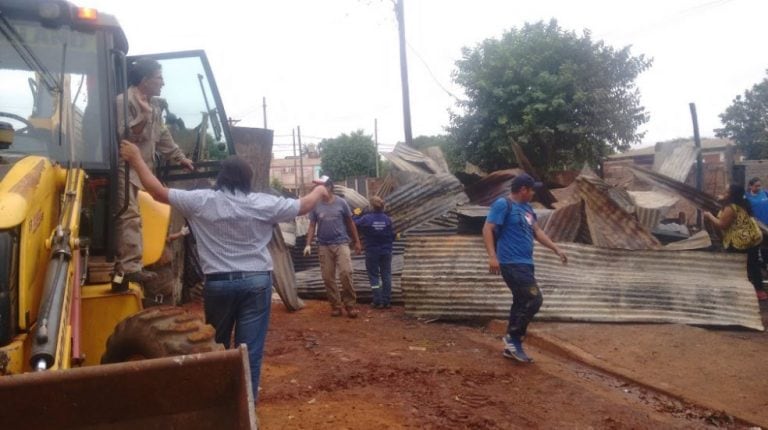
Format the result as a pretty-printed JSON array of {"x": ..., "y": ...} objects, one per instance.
[
  {"x": 331, "y": 258},
  {"x": 129, "y": 242}
]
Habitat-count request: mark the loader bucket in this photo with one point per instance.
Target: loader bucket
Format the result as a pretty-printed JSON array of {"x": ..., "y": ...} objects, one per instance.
[{"x": 199, "y": 391}]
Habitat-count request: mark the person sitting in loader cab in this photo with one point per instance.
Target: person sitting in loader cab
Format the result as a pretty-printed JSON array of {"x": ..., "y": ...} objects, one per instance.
[{"x": 147, "y": 131}]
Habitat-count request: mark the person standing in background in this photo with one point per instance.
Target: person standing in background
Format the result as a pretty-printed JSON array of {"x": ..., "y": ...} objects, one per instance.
[
  {"x": 758, "y": 199},
  {"x": 376, "y": 229}
]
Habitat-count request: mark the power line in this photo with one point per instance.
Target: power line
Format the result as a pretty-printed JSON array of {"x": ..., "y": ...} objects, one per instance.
[{"x": 429, "y": 70}]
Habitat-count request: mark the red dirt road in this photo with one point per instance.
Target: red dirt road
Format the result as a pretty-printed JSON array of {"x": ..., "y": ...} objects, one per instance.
[{"x": 384, "y": 370}]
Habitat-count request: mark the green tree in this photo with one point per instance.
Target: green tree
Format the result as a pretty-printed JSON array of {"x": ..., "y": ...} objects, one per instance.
[
  {"x": 746, "y": 121},
  {"x": 565, "y": 99},
  {"x": 348, "y": 155},
  {"x": 276, "y": 183}
]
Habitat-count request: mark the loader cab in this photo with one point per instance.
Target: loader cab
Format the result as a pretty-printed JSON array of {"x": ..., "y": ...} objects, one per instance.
[
  {"x": 52, "y": 81},
  {"x": 61, "y": 70}
]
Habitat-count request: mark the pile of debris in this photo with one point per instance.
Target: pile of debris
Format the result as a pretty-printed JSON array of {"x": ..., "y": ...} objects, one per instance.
[{"x": 619, "y": 269}]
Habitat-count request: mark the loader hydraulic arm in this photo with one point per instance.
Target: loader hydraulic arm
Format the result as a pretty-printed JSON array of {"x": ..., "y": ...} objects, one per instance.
[{"x": 49, "y": 344}]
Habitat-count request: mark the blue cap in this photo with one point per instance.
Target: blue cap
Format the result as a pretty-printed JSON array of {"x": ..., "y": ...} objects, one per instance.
[{"x": 524, "y": 180}]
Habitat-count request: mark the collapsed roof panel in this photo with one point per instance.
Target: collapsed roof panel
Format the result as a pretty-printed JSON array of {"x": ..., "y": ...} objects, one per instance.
[
  {"x": 675, "y": 159},
  {"x": 485, "y": 191},
  {"x": 652, "y": 206},
  {"x": 610, "y": 225},
  {"x": 564, "y": 223},
  {"x": 420, "y": 201},
  {"x": 447, "y": 277},
  {"x": 698, "y": 198},
  {"x": 408, "y": 159}
]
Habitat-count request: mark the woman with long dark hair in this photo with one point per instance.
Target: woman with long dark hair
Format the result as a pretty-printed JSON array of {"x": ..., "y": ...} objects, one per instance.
[{"x": 735, "y": 221}]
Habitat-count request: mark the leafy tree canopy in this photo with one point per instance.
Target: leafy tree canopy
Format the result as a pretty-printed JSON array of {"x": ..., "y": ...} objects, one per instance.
[
  {"x": 746, "y": 121},
  {"x": 348, "y": 155},
  {"x": 565, "y": 99}
]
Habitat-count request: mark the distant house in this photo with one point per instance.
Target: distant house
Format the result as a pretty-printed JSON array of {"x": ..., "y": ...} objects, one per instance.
[{"x": 288, "y": 171}]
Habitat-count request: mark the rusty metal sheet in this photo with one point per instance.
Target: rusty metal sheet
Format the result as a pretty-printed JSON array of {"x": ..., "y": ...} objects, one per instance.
[
  {"x": 496, "y": 184},
  {"x": 447, "y": 277},
  {"x": 610, "y": 226},
  {"x": 564, "y": 223}
]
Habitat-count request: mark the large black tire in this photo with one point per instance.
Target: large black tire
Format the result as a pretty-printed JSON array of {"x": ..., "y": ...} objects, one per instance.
[{"x": 159, "y": 332}]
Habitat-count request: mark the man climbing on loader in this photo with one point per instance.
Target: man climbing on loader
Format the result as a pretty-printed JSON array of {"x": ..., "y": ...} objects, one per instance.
[{"x": 145, "y": 129}]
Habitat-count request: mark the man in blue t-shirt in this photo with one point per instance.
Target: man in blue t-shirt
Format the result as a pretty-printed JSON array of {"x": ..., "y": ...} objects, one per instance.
[{"x": 513, "y": 221}]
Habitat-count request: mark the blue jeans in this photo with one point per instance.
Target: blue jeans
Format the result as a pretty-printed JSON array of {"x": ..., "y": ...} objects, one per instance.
[
  {"x": 526, "y": 297},
  {"x": 379, "y": 266},
  {"x": 242, "y": 304}
]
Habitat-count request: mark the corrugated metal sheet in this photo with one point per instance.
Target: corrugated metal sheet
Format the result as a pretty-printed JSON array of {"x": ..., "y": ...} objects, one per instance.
[
  {"x": 610, "y": 226},
  {"x": 353, "y": 198},
  {"x": 652, "y": 206},
  {"x": 674, "y": 159},
  {"x": 700, "y": 240},
  {"x": 447, "y": 277},
  {"x": 310, "y": 282},
  {"x": 283, "y": 275},
  {"x": 698, "y": 198},
  {"x": 564, "y": 223},
  {"x": 485, "y": 191},
  {"x": 418, "y": 202},
  {"x": 442, "y": 225},
  {"x": 408, "y": 159}
]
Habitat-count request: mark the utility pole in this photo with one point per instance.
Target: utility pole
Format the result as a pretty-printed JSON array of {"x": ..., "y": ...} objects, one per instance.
[
  {"x": 264, "y": 106},
  {"x": 295, "y": 170},
  {"x": 376, "y": 142},
  {"x": 699, "y": 168},
  {"x": 399, "y": 11},
  {"x": 301, "y": 162}
]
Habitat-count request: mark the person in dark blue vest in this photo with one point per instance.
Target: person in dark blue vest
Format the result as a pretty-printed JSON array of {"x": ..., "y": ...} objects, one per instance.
[{"x": 378, "y": 235}]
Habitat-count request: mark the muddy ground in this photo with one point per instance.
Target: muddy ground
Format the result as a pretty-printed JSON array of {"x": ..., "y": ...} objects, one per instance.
[{"x": 385, "y": 370}]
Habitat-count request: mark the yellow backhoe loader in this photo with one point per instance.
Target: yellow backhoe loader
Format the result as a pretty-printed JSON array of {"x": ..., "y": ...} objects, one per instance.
[{"x": 74, "y": 352}]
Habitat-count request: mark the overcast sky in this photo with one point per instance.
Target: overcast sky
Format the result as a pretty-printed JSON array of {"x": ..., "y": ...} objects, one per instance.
[{"x": 333, "y": 67}]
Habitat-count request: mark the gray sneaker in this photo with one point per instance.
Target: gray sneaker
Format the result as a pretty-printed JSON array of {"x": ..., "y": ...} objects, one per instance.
[{"x": 513, "y": 348}]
